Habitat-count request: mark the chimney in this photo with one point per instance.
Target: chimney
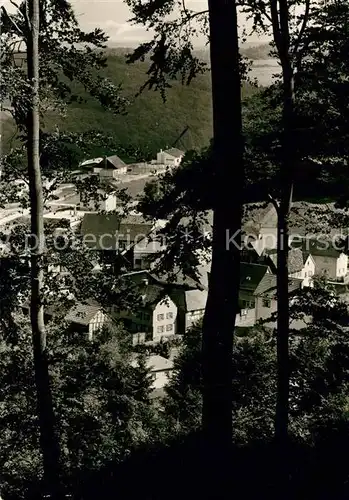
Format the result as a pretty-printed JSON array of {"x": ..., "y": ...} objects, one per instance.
[{"x": 105, "y": 161}]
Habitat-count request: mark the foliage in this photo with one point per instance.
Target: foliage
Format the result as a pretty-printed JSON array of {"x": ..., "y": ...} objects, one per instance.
[
  {"x": 101, "y": 399},
  {"x": 148, "y": 125},
  {"x": 183, "y": 394},
  {"x": 66, "y": 53},
  {"x": 319, "y": 375}
]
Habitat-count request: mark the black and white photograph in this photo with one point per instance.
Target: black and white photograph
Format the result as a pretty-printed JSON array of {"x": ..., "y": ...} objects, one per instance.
[{"x": 174, "y": 249}]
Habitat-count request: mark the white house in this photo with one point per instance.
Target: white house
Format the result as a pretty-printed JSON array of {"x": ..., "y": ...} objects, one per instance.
[
  {"x": 105, "y": 202},
  {"x": 156, "y": 316},
  {"x": 308, "y": 270},
  {"x": 191, "y": 306},
  {"x": 301, "y": 265},
  {"x": 170, "y": 157},
  {"x": 329, "y": 260},
  {"x": 87, "y": 318},
  {"x": 107, "y": 166}
]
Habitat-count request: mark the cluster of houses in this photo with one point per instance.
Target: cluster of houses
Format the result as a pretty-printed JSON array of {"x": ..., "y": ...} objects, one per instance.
[
  {"x": 113, "y": 167},
  {"x": 170, "y": 305},
  {"x": 157, "y": 318},
  {"x": 309, "y": 256}
]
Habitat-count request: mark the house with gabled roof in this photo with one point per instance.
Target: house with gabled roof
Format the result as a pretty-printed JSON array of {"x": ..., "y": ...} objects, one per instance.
[
  {"x": 114, "y": 236},
  {"x": 188, "y": 294},
  {"x": 107, "y": 166},
  {"x": 170, "y": 157},
  {"x": 301, "y": 264},
  {"x": 329, "y": 257},
  {"x": 250, "y": 277},
  {"x": 83, "y": 317},
  {"x": 155, "y": 314},
  {"x": 87, "y": 318},
  {"x": 191, "y": 307}
]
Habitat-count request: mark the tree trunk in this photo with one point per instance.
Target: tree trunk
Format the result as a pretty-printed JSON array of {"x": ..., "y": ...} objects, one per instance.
[
  {"x": 48, "y": 438},
  {"x": 222, "y": 302},
  {"x": 282, "y": 39},
  {"x": 281, "y": 418}
]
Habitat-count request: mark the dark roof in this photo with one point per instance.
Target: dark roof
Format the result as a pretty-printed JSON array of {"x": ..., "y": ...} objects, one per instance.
[
  {"x": 267, "y": 286},
  {"x": 112, "y": 162},
  {"x": 177, "y": 153},
  {"x": 178, "y": 278},
  {"x": 82, "y": 314},
  {"x": 189, "y": 300},
  {"x": 109, "y": 229},
  {"x": 152, "y": 294},
  {"x": 147, "y": 286},
  {"x": 320, "y": 247},
  {"x": 251, "y": 275},
  {"x": 295, "y": 259}
]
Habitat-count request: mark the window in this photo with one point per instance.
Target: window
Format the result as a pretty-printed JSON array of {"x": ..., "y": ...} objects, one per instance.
[
  {"x": 305, "y": 275},
  {"x": 169, "y": 315},
  {"x": 310, "y": 273},
  {"x": 169, "y": 328},
  {"x": 161, "y": 317},
  {"x": 146, "y": 316},
  {"x": 160, "y": 329},
  {"x": 266, "y": 303},
  {"x": 138, "y": 262}
]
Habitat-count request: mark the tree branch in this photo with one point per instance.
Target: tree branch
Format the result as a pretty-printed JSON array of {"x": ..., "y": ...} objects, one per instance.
[
  {"x": 12, "y": 21},
  {"x": 302, "y": 28},
  {"x": 191, "y": 16},
  {"x": 259, "y": 6}
]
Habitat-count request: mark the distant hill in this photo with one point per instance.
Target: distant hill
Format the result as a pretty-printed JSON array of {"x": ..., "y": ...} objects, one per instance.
[
  {"x": 257, "y": 51},
  {"x": 149, "y": 122},
  {"x": 254, "y": 51}
]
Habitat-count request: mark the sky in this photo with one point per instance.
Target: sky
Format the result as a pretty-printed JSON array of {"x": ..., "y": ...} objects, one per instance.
[{"x": 112, "y": 17}]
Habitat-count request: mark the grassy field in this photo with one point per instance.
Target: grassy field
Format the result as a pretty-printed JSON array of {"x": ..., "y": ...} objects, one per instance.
[{"x": 149, "y": 123}]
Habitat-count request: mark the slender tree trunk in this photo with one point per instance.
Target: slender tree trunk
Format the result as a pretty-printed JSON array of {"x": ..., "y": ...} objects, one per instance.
[
  {"x": 222, "y": 302},
  {"x": 282, "y": 410},
  {"x": 48, "y": 439},
  {"x": 280, "y": 18}
]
